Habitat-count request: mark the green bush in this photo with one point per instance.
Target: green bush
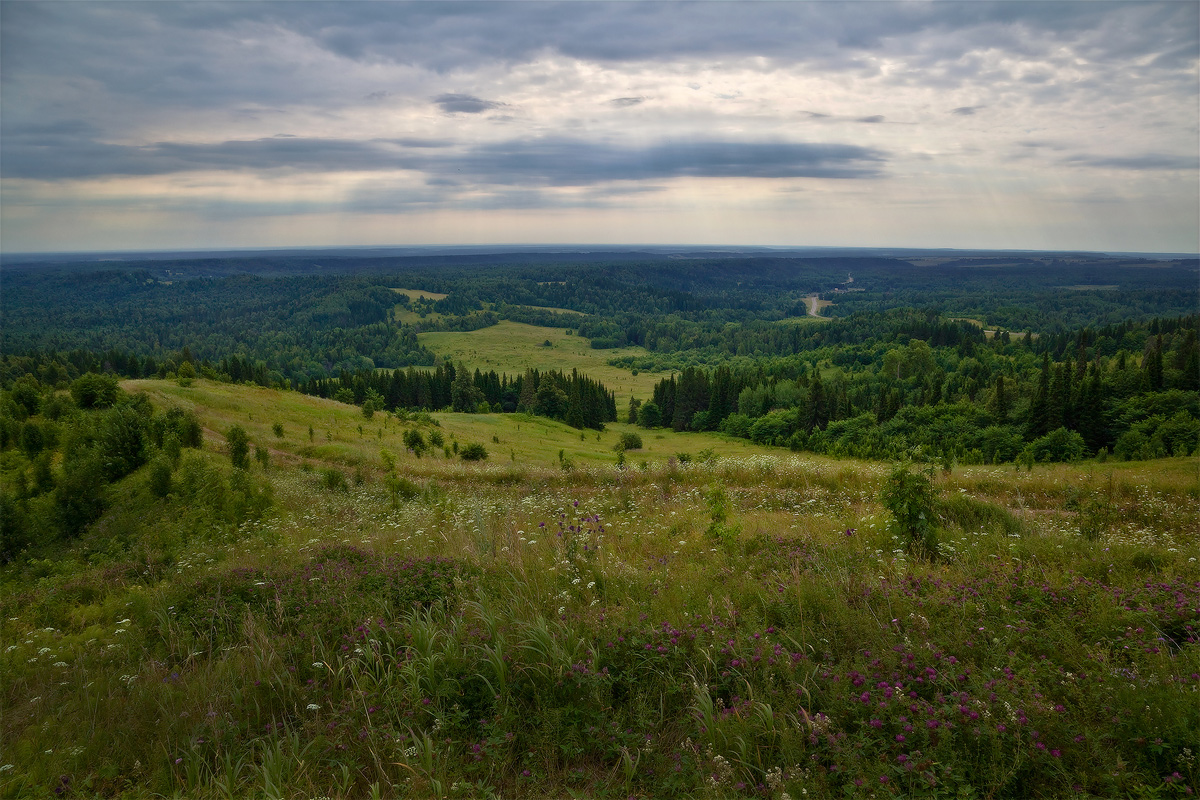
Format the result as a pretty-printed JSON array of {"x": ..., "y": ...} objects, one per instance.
[
  {"x": 333, "y": 480},
  {"x": 159, "y": 478},
  {"x": 649, "y": 415},
  {"x": 910, "y": 498},
  {"x": 95, "y": 391},
  {"x": 414, "y": 441},
  {"x": 628, "y": 441},
  {"x": 239, "y": 447},
  {"x": 473, "y": 452},
  {"x": 1058, "y": 445}
]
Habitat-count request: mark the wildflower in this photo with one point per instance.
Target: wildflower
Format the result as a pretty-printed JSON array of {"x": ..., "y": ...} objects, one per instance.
[{"x": 313, "y": 707}]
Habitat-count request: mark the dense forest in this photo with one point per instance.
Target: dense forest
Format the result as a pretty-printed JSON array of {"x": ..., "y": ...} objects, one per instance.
[
  {"x": 137, "y": 317},
  {"x": 1081, "y": 356},
  {"x": 941, "y": 387}
]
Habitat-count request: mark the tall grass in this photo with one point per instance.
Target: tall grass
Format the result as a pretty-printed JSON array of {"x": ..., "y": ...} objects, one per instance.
[{"x": 738, "y": 626}]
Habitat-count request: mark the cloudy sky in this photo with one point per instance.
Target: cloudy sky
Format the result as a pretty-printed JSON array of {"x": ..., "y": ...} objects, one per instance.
[{"x": 954, "y": 124}]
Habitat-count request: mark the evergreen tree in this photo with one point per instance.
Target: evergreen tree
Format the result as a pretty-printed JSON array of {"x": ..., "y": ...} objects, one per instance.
[
  {"x": 574, "y": 416},
  {"x": 691, "y": 396},
  {"x": 1092, "y": 425},
  {"x": 816, "y": 414},
  {"x": 239, "y": 447},
  {"x": 1153, "y": 361},
  {"x": 1059, "y": 397},
  {"x": 528, "y": 396},
  {"x": 1000, "y": 402},
  {"x": 1189, "y": 363},
  {"x": 464, "y": 394},
  {"x": 1039, "y": 409}
]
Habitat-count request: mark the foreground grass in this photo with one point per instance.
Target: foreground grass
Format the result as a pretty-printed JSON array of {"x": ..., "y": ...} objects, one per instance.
[{"x": 746, "y": 625}]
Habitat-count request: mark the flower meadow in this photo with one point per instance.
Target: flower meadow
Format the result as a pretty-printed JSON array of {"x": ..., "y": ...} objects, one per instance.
[{"x": 734, "y": 627}]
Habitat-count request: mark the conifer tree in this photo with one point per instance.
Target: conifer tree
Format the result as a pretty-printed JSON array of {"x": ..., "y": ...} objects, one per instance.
[
  {"x": 1000, "y": 402},
  {"x": 1039, "y": 420}
]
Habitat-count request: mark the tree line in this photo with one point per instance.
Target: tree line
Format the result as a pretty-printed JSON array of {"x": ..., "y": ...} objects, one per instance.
[
  {"x": 986, "y": 402},
  {"x": 573, "y": 398}
]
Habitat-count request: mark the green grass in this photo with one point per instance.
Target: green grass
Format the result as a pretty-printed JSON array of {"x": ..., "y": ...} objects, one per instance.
[
  {"x": 514, "y": 628},
  {"x": 523, "y": 439},
  {"x": 514, "y": 346},
  {"x": 417, "y": 294}
]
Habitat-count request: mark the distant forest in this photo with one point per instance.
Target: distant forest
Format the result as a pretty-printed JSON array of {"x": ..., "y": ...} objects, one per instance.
[{"x": 977, "y": 359}]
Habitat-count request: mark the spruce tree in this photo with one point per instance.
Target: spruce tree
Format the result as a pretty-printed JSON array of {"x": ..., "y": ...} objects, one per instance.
[{"x": 1039, "y": 422}]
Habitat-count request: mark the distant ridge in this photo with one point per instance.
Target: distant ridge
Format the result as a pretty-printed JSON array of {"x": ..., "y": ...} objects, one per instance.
[{"x": 581, "y": 251}]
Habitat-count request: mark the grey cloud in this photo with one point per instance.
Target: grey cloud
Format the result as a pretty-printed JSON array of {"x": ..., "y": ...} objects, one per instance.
[
  {"x": 966, "y": 111},
  {"x": 34, "y": 158},
  {"x": 464, "y": 104},
  {"x": 626, "y": 102},
  {"x": 873, "y": 119},
  {"x": 1146, "y": 161},
  {"x": 566, "y": 162},
  {"x": 547, "y": 162},
  {"x": 199, "y": 58}
]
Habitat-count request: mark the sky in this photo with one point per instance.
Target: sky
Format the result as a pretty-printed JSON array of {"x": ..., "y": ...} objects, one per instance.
[{"x": 1043, "y": 125}]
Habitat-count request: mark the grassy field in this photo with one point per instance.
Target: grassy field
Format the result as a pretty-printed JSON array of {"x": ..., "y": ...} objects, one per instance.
[
  {"x": 337, "y": 437},
  {"x": 513, "y": 346},
  {"x": 749, "y": 623},
  {"x": 417, "y": 294}
]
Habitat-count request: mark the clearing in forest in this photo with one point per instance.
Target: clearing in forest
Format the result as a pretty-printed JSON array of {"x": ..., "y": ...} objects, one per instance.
[{"x": 514, "y": 346}]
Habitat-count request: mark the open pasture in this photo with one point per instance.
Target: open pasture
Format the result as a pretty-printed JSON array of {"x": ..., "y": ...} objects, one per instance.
[
  {"x": 749, "y": 623},
  {"x": 514, "y": 346}
]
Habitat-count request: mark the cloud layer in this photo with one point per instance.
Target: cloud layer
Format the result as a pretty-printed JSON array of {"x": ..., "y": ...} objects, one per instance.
[{"x": 956, "y": 124}]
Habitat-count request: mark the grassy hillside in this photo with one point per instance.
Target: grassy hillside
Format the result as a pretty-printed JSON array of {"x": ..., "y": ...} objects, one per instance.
[
  {"x": 746, "y": 622},
  {"x": 514, "y": 346}
]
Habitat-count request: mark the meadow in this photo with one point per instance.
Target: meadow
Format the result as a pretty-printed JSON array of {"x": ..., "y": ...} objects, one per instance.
[
  {"x": 706, "y": 618},
  {"x": 512, "y": 347}
]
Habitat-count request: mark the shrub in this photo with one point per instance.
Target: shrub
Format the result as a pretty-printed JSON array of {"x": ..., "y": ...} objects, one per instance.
[
  {"x": 334, "y": 481},
  {"x": 473, "y": 452},
  {"x": 159, "y": 478},
  {"x": 910, "y": 498},
  {"x": 1058, "y": 445},
  {"x": 239, "y": 447},
  {"x": 121, "y": 444},
  {"x": 414, "y": 441},
  {"x": 649, "y": 415},
  {"x": 737, "y": 425},
  {"x": 80, "y": 496},
  {"x": 401, "y": 488},
  {"x": 628, "y": 441}
]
